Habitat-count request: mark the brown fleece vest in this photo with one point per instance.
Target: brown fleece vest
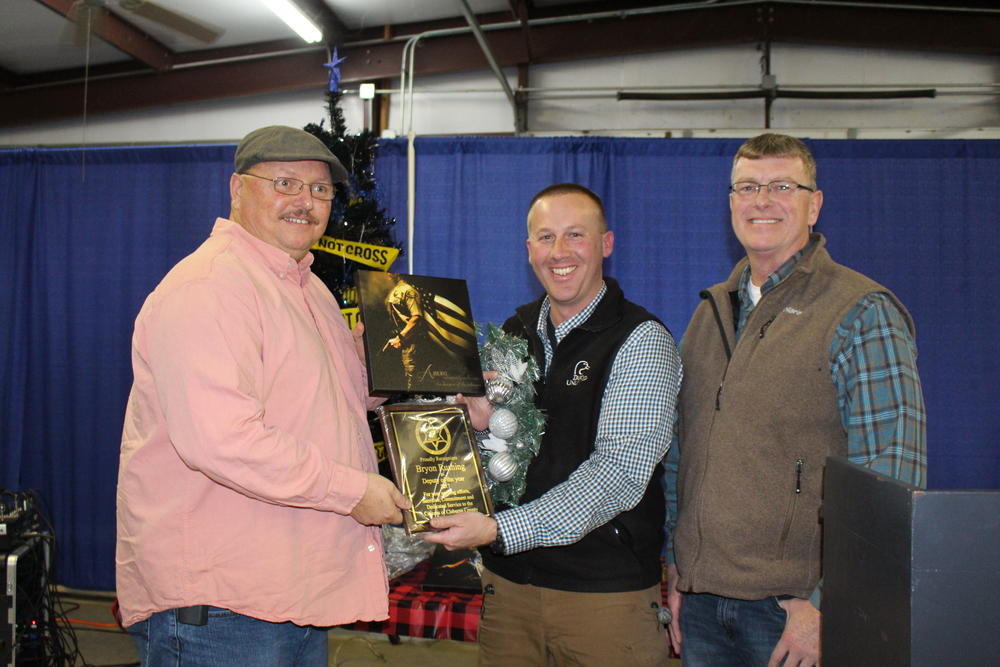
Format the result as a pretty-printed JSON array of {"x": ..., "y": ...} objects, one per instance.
[{"x": 756, "y": 430}]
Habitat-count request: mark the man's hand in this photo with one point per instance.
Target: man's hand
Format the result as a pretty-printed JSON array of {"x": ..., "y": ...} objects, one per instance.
[
  {"x": 799, "y": 643},
  {"x": 462, "y": 531},
  {"x": 674, "y": 600},
  {"x": 359, "y": 342},
  {"x": 381, "y": 503},
  {"x": 480, "y": 409}
]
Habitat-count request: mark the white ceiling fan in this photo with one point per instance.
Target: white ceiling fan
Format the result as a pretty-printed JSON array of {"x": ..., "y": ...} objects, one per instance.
[{"x": 86, "y": 15}]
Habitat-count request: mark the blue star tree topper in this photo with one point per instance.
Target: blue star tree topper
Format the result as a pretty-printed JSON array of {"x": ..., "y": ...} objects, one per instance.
[{"x": 334, "y": 66}]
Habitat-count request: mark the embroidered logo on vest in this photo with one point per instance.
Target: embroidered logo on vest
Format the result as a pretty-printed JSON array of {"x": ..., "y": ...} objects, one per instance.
[
  {"x": 579, "y": 374},
  {"x": 792, "y": 311}
]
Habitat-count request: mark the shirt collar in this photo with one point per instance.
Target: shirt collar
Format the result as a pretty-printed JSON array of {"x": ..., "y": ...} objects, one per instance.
[
  {"x": 780, "y": 273},
  {"x": 276, "y": 260},
  {"x": 568, "y": 325}
]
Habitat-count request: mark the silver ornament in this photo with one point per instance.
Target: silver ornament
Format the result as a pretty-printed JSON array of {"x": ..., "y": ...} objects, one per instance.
[
  {"x": 499, "y": 390},
  {"x": 502, "y": 466},
  {"x": 503, "y": 423}
]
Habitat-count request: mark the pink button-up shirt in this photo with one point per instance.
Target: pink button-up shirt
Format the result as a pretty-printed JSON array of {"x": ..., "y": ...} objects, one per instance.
[{"x": 245, "y": 445}]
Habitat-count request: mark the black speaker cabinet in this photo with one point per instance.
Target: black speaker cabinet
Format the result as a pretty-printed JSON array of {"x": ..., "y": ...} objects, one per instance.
[
  {"x": 911, "y": 576},
  {"x": 23, "y": 616}
]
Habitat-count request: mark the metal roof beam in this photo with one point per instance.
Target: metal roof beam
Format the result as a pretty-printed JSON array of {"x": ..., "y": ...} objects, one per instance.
[{"x": 251, "y": 71}]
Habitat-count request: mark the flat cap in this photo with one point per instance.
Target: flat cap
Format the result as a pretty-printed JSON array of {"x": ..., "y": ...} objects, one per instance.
[{"x": 280, "y": 143}]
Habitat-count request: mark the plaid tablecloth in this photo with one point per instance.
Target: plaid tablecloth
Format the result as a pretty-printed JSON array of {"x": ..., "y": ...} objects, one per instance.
[{"x": 414, "y": 612}]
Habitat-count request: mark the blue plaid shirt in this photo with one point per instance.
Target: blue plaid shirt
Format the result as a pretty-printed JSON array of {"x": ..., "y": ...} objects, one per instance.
[
  {"x": 873, "y": 366},
  {"x": 633, "y": 434}
]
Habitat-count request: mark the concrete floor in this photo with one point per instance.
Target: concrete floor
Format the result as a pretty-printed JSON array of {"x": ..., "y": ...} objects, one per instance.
[{"x": 102, "y": 644}]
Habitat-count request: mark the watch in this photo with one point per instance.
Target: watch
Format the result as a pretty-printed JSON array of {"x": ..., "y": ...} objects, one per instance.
[{"x": 497, "y": 545}]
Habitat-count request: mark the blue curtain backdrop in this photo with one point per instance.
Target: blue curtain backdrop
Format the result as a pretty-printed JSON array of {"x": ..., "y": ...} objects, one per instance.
[{"x": 86, "y": 236}]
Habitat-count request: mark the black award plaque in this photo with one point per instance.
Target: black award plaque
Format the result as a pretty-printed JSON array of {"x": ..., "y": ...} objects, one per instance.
[{"x": 435, "y": 461}]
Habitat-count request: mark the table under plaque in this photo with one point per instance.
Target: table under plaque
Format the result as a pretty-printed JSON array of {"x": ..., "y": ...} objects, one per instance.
[
  {"x": 437, "y": 614},
  {"x": 430, "y": 614}
]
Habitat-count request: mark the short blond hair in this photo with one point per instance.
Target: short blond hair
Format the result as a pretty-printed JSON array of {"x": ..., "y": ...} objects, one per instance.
[{"x": 779, "y": 145}]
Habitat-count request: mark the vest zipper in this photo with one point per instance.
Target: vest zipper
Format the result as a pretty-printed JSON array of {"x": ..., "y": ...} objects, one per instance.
[
  {"x": 790, "y": 512},
  {"x": 706, "y": 295}
]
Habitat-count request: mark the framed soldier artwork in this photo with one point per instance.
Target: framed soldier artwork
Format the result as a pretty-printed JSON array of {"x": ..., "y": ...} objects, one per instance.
[{"x": 420, "y": 337}]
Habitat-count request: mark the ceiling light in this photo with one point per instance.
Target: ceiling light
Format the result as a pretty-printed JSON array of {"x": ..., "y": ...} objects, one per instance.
[{"x": 288, "y": 11}]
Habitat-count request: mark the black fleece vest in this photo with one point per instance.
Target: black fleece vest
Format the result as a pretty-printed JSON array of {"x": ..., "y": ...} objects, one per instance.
[{"x": 623, "y": 554}]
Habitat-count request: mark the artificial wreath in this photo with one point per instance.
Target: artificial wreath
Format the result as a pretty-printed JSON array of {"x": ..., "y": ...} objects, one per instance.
[{"x": 516, "y": 425}]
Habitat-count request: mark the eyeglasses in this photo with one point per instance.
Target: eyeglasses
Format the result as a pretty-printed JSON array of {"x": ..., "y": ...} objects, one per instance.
[
  {"x": 749, "y": 189},
  {"x": 293, "y": 186}
]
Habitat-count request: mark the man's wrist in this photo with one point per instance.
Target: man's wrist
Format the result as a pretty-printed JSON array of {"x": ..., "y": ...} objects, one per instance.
[
  {"x": 814, "y": 599},
  {"x": 497, "y": 545}
]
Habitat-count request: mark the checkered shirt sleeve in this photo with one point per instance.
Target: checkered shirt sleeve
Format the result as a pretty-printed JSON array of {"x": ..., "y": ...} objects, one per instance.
[
  {"x": 873, "y": 362},
  {"x": 873, "y": 365},
  {"x": 632, "y": 436}
]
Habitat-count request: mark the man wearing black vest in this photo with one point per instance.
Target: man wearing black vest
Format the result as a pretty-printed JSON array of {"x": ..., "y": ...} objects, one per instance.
[
  {"x": 792, "y": 359},
  {"x": 573, "y": 573}
]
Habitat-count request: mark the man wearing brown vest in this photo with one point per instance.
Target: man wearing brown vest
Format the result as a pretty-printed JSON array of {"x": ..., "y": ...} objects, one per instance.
[{"x": 793, "y": 358}]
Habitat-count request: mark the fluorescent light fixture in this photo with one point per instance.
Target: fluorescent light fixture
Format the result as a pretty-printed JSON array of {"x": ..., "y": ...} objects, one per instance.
[
  {"x": 288, "y": 11},
  {"x": 366, "y": 91}
]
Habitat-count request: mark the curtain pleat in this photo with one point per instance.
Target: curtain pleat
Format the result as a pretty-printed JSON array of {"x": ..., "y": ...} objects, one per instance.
[{"x": 86, "y": 235}]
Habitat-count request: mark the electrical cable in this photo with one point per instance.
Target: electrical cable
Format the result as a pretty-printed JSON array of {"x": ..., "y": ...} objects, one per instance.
[{"x": 43, "y": 637}]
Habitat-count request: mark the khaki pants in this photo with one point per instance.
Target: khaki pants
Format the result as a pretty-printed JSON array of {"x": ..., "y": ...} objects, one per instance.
[{"x": 528, "y": 625}]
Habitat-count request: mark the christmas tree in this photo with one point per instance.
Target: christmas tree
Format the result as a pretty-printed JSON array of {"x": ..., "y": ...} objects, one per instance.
[{"x": 357, "y": 220}]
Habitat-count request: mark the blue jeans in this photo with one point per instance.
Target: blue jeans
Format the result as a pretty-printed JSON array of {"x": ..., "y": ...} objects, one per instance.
[
  {"x": 723, "y": 632},
  {"x": 227, "y": 639}
]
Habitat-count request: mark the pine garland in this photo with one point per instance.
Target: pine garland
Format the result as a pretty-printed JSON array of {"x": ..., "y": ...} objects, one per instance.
[{"x": 508, "y": 356}]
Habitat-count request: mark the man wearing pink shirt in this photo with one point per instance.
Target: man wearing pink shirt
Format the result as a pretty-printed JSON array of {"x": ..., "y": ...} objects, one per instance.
[{"x": 248, "y": 495}]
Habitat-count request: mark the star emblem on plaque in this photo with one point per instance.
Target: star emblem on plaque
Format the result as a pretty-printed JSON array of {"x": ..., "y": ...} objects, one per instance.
[{"x": 432, "y": 435}]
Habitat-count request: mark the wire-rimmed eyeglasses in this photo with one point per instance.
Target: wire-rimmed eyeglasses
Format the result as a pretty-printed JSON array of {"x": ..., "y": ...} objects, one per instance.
[
  {"x": 774, "y": 188},
  {"x": 293, "y": 186}
]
